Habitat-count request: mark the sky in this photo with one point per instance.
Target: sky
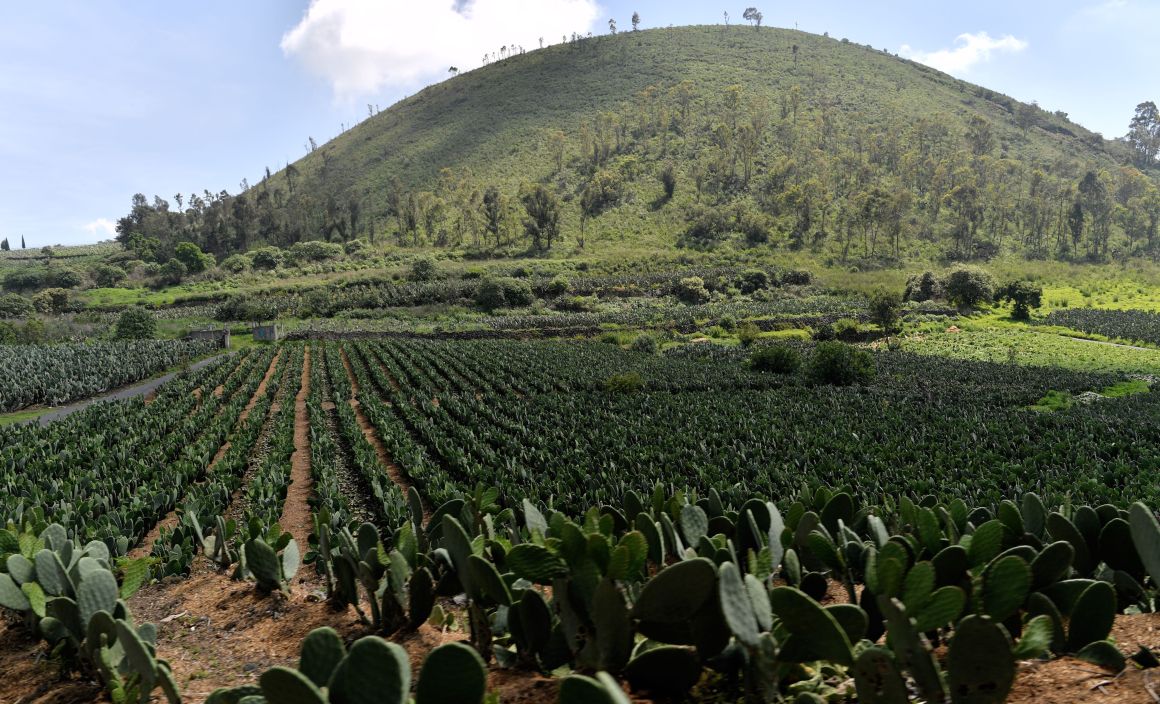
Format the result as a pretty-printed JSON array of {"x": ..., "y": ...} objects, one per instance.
[{"x": 100, "y": 100}]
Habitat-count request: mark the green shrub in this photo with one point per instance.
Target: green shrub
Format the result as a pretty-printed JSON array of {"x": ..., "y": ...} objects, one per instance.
[
  {"x": 923, "y": 287},
  {"x": 692, "y": 290},
  {"x": 356, "y": 247},
  {"x": 645, "y": 343},
  {"x": 236, "y": 263},
  {"x": 315, "y": 251},
  {"x": 52, "y": 301},
  {"x": 840, "y": 364},
  {"x": 753, "y": 280},
  {"x": 23, "y": 280},
  {"x": 577, "y": 304},
  {"x": 267, "y": 258},
  {"x": 776, "y": 359},
  {"x": 423, "y": 270},
  {"x": 884, "y": 310},
  {"x": 846, "y": 329},
  {"x": 558, "y": 286},
  {"x": 969, "y": 286},
  {"x": 748, "y": 334},
  {"x": 107, "y": 275},
  {"x": 136, "y": 323},
  {"x": 628, "y": 382},
  {"x": 1024, "y": 296},
  {"x": 517, "y": 292},
  {"x": 14, "y": 306},
  {"x": 191, "y": 256},
  {"x": 172, "y": 272}
]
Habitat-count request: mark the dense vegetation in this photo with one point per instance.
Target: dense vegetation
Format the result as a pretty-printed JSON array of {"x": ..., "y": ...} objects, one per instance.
[
  {"x": 693, "y": 136},
  {"x": 57, "y": 374}
]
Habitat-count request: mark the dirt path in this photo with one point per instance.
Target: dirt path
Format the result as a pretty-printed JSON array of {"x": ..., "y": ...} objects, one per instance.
[
  {"x": 393, "y": 471},
  {"x": 145, "y": 547},
  {"x": 296, "y": 517}
]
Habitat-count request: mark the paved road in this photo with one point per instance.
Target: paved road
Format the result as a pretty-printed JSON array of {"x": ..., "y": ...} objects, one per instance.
[{"x": 140, "y": 389}]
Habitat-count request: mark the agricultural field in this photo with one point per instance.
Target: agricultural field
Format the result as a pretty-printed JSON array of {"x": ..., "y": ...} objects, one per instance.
[{"x": 499, "y": 508}]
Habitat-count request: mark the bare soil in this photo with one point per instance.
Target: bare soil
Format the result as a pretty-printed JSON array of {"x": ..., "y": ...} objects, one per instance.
[{"x": 296, "y": 517}]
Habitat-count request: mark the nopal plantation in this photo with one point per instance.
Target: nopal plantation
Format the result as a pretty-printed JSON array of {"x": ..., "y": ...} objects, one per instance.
[{"x": 702, "y": 364}]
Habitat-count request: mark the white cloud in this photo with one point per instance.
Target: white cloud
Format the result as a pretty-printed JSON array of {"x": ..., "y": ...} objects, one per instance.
[
  {"x": 362, "y": 46},
  {"x": 101, "y": 227},
  {"x": 969, "y": 50}
]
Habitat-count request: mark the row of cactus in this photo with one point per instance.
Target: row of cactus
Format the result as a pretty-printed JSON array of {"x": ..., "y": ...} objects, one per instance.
[
  {"x": 996, "y": 586},
  {"x": 372, "y": 670},
  {"x": 69, "y": 596}
]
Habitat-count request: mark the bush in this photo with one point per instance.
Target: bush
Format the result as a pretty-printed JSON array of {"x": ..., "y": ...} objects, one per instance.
[
  {"x": 136, "y": 323},
  {"x": 776, "y": 359},
  {"x": 267, "y": 258},
  {"x": 172, "y": 272},
  {"x": 356, "y": 247},
  {"x": 15, "y": 306},
  {"x": 846, "y": 329},
  {"x": 840, "y": 364},
  {"x": 753, "y": 280},
  {"x": 797, "y": 277},
  {"x": 923, "y": 287},
  {"x": 577, "y": 304},
  {"x": 236, "y": 263},
  {"x": 884, "y": 310},
  {"x": 23, "y": 280},
  {"x": 501, "y": 293},
  {"x": 107, "y": 275},
  {"x": 623, "y": 383},
  {"x": 692, "y": 290},
  {"x": 707, "y": 224},
  {"x": 191, "y": 256},
  {"x": 969, "y": 286},
  {"x": 64, "y": 277},
  {"x": 423, "y": 270},
  {"x": 748, "y": 334},
  {"x": 645, "y": 343},
  {"x": 315, "y": 251},
  {"x": 248, "y": 308},
  {"x": 558, "y": 286},
  {"x": 1024, "y": 296},
  {"x": 51, "y": 301}
]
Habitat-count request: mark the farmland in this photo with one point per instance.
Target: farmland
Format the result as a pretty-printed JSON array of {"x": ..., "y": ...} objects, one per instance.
[{"x": 359, "y": 484}]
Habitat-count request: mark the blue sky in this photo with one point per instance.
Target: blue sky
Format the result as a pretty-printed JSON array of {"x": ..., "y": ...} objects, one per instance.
[{"x": 101, "y": 100}]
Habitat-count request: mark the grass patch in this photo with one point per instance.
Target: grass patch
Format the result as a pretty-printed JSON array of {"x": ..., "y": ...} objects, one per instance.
[
  {"x": 1052, "y": 402},
  {"x": 1126, "y": 388},
  {"x": 21, "y": 416}
]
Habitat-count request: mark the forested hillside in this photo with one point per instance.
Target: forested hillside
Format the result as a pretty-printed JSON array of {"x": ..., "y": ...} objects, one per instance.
[{"x": 690, "y": 137}]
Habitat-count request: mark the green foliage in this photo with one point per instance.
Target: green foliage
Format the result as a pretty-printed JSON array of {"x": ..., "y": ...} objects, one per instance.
[
  {"x": 498, "y": 293},
  {"x": 629, "y": 382},
  {"x": 267, "y": 258},
  {"x": 236, "y": 263},
  {"x": 775, "y": 359},
  {"x": 923, "y": 287},
  {"x": 839, "y": 364},
  {"x": 172, "y": 272},
  {"x": 969, "y": 286},
  {"x": 136, "y": 323},
  {"x": 108, "y": 275},
  {"x": 884, "y": 308},
  {"x": 424, "y": 270},
  {"x": 1023, "y": 295},
  {"x": 691, "y": 290},
  {"x": 191, "y": 256},
  {"x": 645, "y": 343},
  {"x": 13, "y": 305},
  {"x": 315, "y": 251}
]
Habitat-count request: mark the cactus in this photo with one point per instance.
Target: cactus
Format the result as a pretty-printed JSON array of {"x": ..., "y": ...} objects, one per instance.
[
  {"x": 98, "y": 592},
  {"x": 1104, "y": 654},
  {"x": 1051, "y": 564},
  {"x": 20, "y": 568},
  {"x": 11, "y": 596},
  {"x": 985, "y": 543},
  {"x": 1118, "y": 549},
  {"x": 1092, "y": 616},
  {"x": 51, "y": 574},
  {"x": 281, "y": 684},
  {"x": 535, "y": 563},
  {"x": 1146, "y": 536},
  {"x": 1006, "y": 582},
  {"x": 1036, "y": 639},
  {"x": 737, "y": 605},
  {"x": 814, "y": 632},
  {"x": 1062, "y": 529},
  {"x": 578, "y": 689},
  {"x": 373, "y": 672},
  {"x": 264, "y": 564},
  {"x": 452, "y": 674},
  {"x": 877, "y": 679},
  {"x": 322, "y": 651},
  {"x": 675, "y": 594},
  {"x": 530, "y": 622},
  {"x": 666, "y": 670},
  {"x": 694, "y": 523},
  {"x": 980, "y": 665},
  {"x": 912, "y": 650}
]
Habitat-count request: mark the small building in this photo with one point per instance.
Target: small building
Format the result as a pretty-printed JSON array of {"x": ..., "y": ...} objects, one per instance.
[
  {"x": 222, "y": 337},
  {"x": 268, "y": 333}
]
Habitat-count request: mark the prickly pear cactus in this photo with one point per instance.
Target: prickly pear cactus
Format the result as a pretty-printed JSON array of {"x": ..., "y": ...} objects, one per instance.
[
  {"x": 980, "y": 664},
  {"x": 452, "y": 674}
]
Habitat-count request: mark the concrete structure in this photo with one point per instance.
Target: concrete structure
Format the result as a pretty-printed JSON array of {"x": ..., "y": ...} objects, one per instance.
[
  {"x": 222, "y": 337},
  {"x": 268, "y": 333}
]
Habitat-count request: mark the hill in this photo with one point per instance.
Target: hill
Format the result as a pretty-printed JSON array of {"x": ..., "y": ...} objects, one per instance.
[{"x": 694, "y": 136}]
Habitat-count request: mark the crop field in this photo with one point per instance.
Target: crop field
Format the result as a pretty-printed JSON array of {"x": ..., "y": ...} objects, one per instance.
[{"x": 614, "y": 514}]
